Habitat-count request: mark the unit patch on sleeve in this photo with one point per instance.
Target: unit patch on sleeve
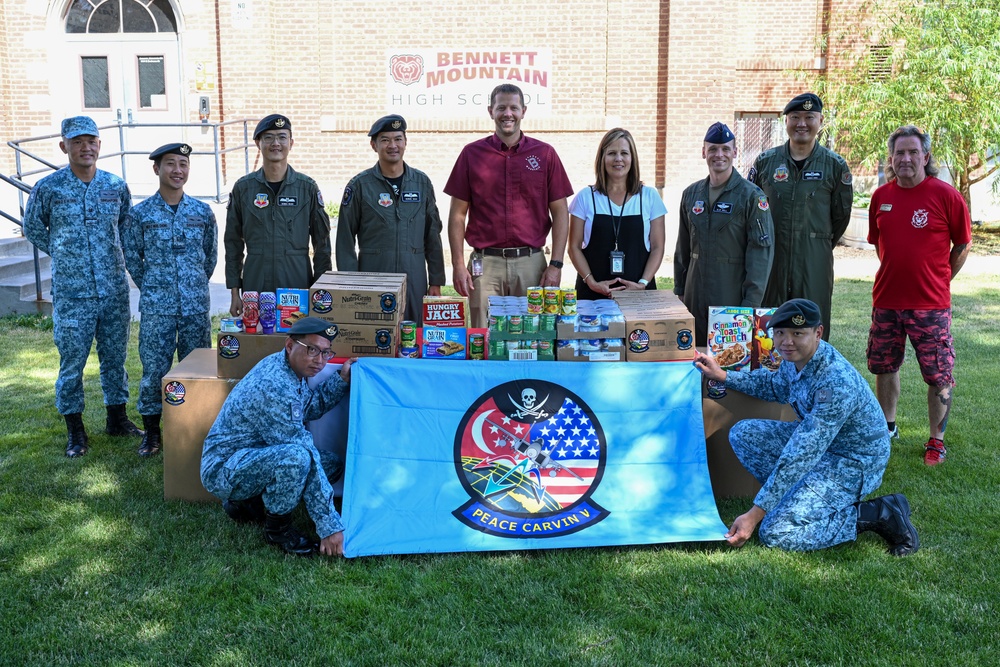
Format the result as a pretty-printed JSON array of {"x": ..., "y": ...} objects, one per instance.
[{"x": 411, "y": 197}]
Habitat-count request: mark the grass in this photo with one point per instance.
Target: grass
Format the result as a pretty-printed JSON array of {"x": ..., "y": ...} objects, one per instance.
[
  {"x": 986, "y": 238},
  {"x": 96, "y": 569}
]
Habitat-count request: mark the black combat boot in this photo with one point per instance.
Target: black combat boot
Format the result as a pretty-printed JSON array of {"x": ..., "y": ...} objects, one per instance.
[
  {"x": 151, "y": 440},
  {"x": 279, "y": 531},
  {"x": 251, "y": 510},
  {"x": 77, "y": 444},
  {"x": 889, "y": 516},
  {"x": 119, "y": 424}
]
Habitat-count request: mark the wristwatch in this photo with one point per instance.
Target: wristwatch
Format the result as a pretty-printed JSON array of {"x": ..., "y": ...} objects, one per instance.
[{"x": 555, "y": 263}]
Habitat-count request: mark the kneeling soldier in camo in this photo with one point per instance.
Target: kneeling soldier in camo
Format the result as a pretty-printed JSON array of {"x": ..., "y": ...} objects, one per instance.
[
  {"x": 813, "y": 471},
  {"x": 260, "y": 459},
  {"x": 78, "y": 216},
  {"x": 170, "y": 252}
]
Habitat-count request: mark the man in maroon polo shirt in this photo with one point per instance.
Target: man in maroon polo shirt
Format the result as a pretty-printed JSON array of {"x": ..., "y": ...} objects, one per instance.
[{"x": 513, "y": 189}]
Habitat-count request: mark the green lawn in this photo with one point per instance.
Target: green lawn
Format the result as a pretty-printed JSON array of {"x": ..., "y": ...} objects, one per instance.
[{"x": 96, "y": 569}]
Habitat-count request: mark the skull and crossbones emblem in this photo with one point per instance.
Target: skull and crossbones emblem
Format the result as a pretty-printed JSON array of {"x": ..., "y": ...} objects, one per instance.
[{"x": 527, "y": 406}]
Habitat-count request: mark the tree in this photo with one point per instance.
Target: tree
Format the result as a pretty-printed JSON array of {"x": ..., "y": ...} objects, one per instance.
[{"x": 934, "y": 64}]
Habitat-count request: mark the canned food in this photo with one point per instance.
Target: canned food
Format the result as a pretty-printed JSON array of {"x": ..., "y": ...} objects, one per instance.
[
  {"x": 536, "y": 300},
  {"x": 568, "y": 301},
  {"x": 547, "y": 322},
  {"x": 407, "y": 334},
  {"x": 231, "y": 325},
  {"x": 515, "y": 324},
  {"x": 529, "y": 323},
  {"x": 550, "y": 298},
  {"x": 545, "y": 345},
  {"x": 497, "y": 322},
  {"x": 498, "y": 349},
  {"x": 409, "y": 352},
  {"x": 477, "y": 346}
]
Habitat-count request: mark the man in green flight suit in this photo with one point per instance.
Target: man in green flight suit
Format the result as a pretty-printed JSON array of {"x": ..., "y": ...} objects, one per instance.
[
  {"x": 725, "y": 239},
  {"x": 274, "y": 213},
  {"x": 809, "y": 189},
  {"x": 391, "y": 213}
]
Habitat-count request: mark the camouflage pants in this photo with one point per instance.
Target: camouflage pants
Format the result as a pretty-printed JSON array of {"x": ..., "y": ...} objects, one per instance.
[
  {"x": 159, "y": 337},
  {"x": 76, "y": 323},
  {"x": 284, "y": 475},
  {"x": 818, "y": 511}
]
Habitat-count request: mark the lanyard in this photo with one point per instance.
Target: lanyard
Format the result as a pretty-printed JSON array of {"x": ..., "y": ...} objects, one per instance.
[{"x": 616, "y": 226}]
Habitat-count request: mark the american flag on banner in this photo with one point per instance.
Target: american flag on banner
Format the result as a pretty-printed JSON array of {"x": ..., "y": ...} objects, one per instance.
[{"x": 565, "y": 447}]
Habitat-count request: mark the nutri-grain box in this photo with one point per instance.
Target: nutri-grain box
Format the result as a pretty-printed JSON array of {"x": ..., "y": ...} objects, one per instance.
[
  {"x": 764, "y": 354},
  {"x": 730, "y": 336},
  {"x": 292, "y": 305}
]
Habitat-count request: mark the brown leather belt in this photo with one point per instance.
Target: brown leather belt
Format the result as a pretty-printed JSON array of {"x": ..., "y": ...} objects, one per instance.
[{"x": 509, "y": 253}]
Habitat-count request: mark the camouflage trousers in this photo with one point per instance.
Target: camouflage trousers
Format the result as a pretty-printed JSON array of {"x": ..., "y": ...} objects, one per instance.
[
  {"x": 159, "y": 337},
  {"x": 818, "y": 511},
  {"x": 284, "y": 475},
  {"x": 76, "y": 322}
]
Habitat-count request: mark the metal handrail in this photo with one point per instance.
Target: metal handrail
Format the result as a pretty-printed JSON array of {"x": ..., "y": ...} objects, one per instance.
[{"x": 17, "y": 145}]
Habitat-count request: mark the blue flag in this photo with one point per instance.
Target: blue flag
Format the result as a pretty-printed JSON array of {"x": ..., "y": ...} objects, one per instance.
[{"x": 491, "y": 456}]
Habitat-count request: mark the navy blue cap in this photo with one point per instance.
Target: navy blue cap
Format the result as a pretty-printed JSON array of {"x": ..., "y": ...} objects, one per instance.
[
  {"x": 391, "y": 123},
  {"x": 314, "y": 325},
  {"x": 78, "y": 126},
  {"x": 273, "y": 122},
  {"x": 170, "y": 149},
  {"x": 804, "y": 102},
  {"x": 796, "y": 314},
  {"x": 718, "y": 133}
]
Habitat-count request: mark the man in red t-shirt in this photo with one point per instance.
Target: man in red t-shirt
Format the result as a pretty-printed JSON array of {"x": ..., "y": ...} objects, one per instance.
[
  {"x": 921, "y": 229},
  {"x": 513, "y": 189}
]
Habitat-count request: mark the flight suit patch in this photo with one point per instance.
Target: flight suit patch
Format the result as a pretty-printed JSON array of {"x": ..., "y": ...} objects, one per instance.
[{"x": 411, "y": 197}]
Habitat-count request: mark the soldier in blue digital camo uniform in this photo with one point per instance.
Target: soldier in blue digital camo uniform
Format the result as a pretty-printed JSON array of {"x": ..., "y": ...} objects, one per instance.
[
  {"x": 815, "y": 470},
  {"x": 260, "y": 459},
  {"x": 170, "y": 252},
  {"x": 77, "y": 216}
]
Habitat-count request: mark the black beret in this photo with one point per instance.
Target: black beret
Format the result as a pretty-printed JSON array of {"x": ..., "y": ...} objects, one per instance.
[
  {"x": 390, "y": 123},
  {"x": 170, "y": 149},
  {"x": 273, "y": 122},
  {"x": 314, "y": 325},
  {"x": 718, "y": 133},
  {"x": 804, "y": 102},
  {"x": 796, "y": 314}
]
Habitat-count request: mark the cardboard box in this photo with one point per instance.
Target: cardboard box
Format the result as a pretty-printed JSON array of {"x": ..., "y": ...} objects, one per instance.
[
  {"x": 564, "y": 354},
  {"x": 292, "y": 305},
  {"x": 193, "y": 394},
  {"x": 658, "y": 329},
  {"x": 565, "y": 331},
  {"x": 239, "y": 352},
  {"x": 444, "y": 343},
  {"x": 446, "y": 311},
  {"x": 359, "y": 298},
  {"x": 729, "y": 478},
  {"x": 365, "y": 340},
  {"x": 764, "y": 353}
]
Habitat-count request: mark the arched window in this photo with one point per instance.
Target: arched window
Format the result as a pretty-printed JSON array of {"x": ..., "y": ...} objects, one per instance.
[{"x": 114, "y": 16}]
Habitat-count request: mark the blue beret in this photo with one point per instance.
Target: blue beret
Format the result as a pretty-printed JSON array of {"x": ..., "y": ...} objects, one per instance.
[
  {"x": 718, "y": 133},
  {"x": 170, "y": 149},
  {"x": 78, "y": 126},
  {"x": 804, "y": 102},
  {"x": 390, "y": 123},
  {"x": 313, "y": 325},
  {"x": 796, "y": 314},
  {"x": 273, "y": 122}
]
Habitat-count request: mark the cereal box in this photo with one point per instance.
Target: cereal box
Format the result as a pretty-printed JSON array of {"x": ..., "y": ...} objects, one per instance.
[
  {"x": 730, "y": 336},
  {"x": 764, "y": 354},
  {"x": 293, "y": 305}
]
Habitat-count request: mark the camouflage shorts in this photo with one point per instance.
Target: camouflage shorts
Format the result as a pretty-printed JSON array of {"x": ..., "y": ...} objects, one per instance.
[{"x": 930, "y": 333}]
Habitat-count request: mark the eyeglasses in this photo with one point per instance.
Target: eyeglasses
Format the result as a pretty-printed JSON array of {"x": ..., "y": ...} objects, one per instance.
[
  {"x": 275, "y": 138},
  {"x": 314, "y": 352}
]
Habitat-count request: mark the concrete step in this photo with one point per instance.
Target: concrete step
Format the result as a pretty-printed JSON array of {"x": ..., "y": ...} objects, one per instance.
[
  {"x": 15, "y": 246},
  {"x": 21, "y": 264}
]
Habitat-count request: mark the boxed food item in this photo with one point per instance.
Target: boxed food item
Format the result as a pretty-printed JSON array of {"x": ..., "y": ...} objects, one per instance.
[
  {"x": 445, "y": 331},
  {"x": 592, "y": 349},
  {"x": 239, "y": 352},
  {"x": 365, "y": 340},
  {"x": 730, "y": 336},
  {"x": 293, "y": 305},
  {"x": 446, "y": 311},
  {"x": 344, "y": 297},
  {"x": 601, "y": 318},
  {"x": 764, "y": 355},
  {"x": 658, "y": 326}
]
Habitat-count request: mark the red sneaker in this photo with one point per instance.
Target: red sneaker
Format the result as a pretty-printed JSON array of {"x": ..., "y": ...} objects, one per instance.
[{"x": 934, "y": 452}]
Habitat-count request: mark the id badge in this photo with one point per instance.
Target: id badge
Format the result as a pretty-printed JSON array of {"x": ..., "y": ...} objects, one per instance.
[
  {"x": 617, "y": 262},
  {"x": 476, "y": 264}
]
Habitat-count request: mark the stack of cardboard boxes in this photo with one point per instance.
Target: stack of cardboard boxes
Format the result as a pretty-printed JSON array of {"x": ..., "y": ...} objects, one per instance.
[{"x": 658, "y": 327}]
